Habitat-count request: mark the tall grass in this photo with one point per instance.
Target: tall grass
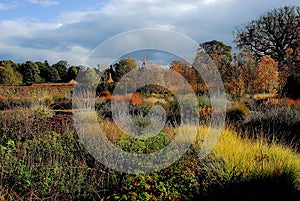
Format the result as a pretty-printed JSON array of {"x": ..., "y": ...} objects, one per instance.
[{"x": 239, "y": 167}]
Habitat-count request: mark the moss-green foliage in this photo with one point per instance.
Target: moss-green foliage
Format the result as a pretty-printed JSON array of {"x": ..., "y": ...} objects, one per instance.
[{"x": 148, "y": 145}]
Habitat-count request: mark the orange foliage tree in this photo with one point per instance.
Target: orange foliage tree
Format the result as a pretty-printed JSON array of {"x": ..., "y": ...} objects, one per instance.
[
  {"x": 267, "y": 80},
  {"x": 188, "y": 72}
]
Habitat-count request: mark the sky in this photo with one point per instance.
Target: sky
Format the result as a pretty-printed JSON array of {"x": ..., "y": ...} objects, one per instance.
[{"x": 55, "y": 30}]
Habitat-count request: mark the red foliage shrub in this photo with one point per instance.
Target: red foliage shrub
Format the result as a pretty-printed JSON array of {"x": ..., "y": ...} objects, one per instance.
[
  {"x": 136, "y": 99},
  {"x": 60, "y": 123}
]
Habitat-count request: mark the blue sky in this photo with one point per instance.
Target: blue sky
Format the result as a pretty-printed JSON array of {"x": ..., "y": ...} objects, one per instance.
[{"x": 69, "y": 30}]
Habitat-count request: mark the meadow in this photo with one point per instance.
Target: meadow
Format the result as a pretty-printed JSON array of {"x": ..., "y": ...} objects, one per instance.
[{"x": 43, "y": 158}]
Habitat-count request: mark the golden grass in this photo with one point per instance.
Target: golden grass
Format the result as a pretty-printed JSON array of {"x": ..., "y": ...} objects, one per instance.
[
  {"x": 240, "y": 157},
  {"x": 264, "y": 96},
  {"x": 153, "y": 100},
  {"x": 245, "y": 158}
]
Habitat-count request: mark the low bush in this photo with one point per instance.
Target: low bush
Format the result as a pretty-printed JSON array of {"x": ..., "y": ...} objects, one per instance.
[
  {"x": 291, "y": 89},
  {"x": 156, "y": 143},
  {"x": 106, "y": 87},
  {"x": 14, "y": 103},
  {"x": 177, "y": 182},
  {"x": 63, "y": 104},
  {"x": 277, "y": 123},
  {"x": 51, "y": 166},
  {"x": 237, "y": 114}
]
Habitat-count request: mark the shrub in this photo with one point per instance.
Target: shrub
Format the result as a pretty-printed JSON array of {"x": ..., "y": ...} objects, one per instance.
[
  {"x": 237, "y": 114},
  {"x": 136, "y": 99},
  {"x": 58, "y": 97},
  {"x": 291, "y": 89},
  {"x": 177, "y": 182},
  {"x": 13, "y": 103},
  {"x": 148, "y": 145},
  {"x": 204, "y": 101},
  {"x": 51, "y": 166},
  {"x": 106, "y": 87},
  {"x": 276, "y": 123},
  {"x": 105, "y": 95},
  {"x": 64, "y": 104}
]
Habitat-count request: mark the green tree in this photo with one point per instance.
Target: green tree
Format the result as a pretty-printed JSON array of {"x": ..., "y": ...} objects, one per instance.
[
  {"x": 48, "y": 73},
  {"x": 118, "y": 70},
  {"x": 30, "y": 72},
  {"x": 71, "y": 73},
  {"x": 219, "y": 50},
  {"x": 62, "y": 68},
  {"x": 272, "y": 34},
  {"x": 222, "y": 58},
  {"x": 88, "y": 76},
  {"x": 9, "y": 74}
]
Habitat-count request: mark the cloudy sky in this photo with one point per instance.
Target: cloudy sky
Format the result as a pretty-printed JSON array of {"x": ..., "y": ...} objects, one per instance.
[{"x": 69, "y": 30}]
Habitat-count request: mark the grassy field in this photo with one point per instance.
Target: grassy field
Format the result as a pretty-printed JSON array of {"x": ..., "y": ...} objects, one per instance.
[{"x": 42, "y": 157}]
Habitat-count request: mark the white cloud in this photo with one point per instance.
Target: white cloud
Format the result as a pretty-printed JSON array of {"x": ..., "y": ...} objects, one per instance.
[
  {"x": 24, "y": 27},
  {"x": 4, "y": 6},
  {"x": 22, "y": 40},
  {"x": 44, "y": 3},
  {"x": 73, "y": 34},
  {"x": 75, "y": 56}
]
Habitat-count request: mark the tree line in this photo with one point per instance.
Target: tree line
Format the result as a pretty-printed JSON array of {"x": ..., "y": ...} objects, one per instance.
[
  {"x": 30, "y": 72},
  {"x": 267, "y": 61}
]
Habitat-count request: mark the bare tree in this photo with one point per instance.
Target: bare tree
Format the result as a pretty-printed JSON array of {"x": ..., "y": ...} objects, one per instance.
[{"x": 272, "y": 34}]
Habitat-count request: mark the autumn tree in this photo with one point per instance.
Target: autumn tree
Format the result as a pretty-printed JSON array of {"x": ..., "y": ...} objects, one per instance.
[
  {"x": 272, "y": 34},
  {"x": 244, "y": 73},
  {"x": 188, "y": 72},
  {"x": 293, "y": 60},
  {"x": 267, "y": 79}
]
